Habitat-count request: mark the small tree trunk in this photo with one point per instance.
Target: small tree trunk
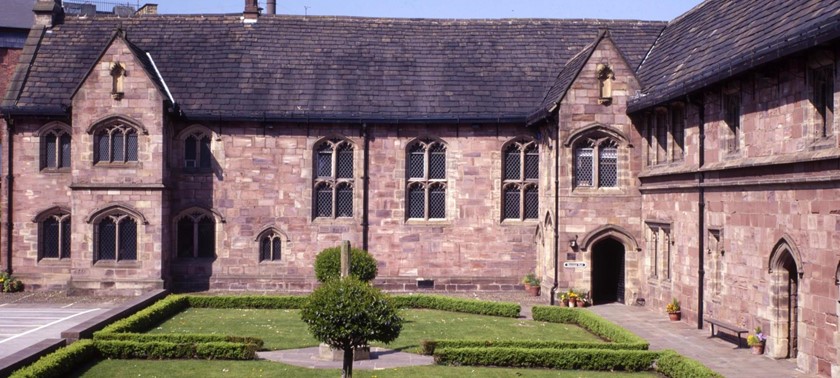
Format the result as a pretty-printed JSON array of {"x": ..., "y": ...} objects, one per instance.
[{"x": 347, "y": 366}]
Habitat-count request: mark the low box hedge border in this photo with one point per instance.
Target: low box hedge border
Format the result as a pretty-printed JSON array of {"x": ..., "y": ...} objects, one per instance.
[
  {"x": 160, "y": 350},
  {"x": 675, "y": 365},
  {"x": 469, "y": 306},
  {"x": 428, "y": 347},
  {"x": 180, "y": 338},
  {"x": 563, "y": 359},
  {"x": 60, "y": 362},
  {"x": 588, "y": 320}
]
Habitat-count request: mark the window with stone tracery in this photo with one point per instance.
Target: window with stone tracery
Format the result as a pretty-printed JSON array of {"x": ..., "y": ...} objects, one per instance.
[
  {"x": 196, "y": 233},
  {"x": 55, "y": 149},
  {"x": 54, "y": 236},
  {"x": 116, "y": 237},
  {"x": 117, "y": 143},
  {"x": 426, "y": 182},
  {"x": 520, "y": 193},
  {"x": 197, "y": 153},
  {"x": 596, "y": 164},
  {"x": 270, "y": 246},
  {"x": 334, "y": 179}
]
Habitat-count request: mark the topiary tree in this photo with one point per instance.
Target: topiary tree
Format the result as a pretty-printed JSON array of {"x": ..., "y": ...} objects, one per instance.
[
  {"x": 328, "y": 264},
  {"x": 347, "y": 313}
]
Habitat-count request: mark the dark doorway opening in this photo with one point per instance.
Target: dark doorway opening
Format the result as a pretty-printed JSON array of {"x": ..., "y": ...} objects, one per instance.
[
  {"x": 791, "y": 289},
  {"x": 607, "y": 272}
]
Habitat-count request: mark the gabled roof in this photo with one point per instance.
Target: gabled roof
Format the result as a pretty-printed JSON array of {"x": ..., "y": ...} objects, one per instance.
[
  {"x": 334, "y": 67},
  {"x": 17, "y": 14},
  {"x": 722, "y": 38}
]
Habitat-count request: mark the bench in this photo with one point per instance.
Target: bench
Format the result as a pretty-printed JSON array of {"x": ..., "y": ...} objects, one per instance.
[{"x": 725, "y": 325}]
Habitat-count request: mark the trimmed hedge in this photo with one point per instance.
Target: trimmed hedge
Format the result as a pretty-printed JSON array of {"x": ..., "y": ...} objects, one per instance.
[
  {"x": 158, "y": 350},
  {"x": 469, "y": 306},
  {"x": 564, "y": 359},
  {"x": 675, "y": 365},
  {"x": 247, "y": 301},
  {"x": 149, "y": 317},
  {"x": 61, "y": 362},
  {"x": 589, "y": 321},
  {"x": 428, "y": 347},
  {"x": 179, "y": 338}
]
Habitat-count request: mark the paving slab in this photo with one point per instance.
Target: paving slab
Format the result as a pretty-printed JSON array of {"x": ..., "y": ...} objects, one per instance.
[
  {"x": 24, "y": 325},
  {"x": 720, "y": 355}
]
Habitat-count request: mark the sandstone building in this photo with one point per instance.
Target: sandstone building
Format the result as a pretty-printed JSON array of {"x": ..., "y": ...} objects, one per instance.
[{"x": 695, "y": 159}]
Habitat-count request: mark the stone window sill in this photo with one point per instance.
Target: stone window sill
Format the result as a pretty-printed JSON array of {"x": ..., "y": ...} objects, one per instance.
[
  {"x": 54, "y": 261},
  {"x": 118, "y": 264},
  {"x": 428, "y": 222},
  {"x": 520, "y": 222},
  {"x": 129, "y": 164},
  {"x": 63, "y": 170},
  {"x": 329, "y": 220}
]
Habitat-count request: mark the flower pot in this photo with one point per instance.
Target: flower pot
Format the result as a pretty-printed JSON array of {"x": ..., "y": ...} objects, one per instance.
[
  {"x": 758, "y": 349},
  {"x": 565, "y": 303},
  {"x": 572, "y": 303},
  {"x": 675, "y": 316},
  {"x": 533, "y": 291}
]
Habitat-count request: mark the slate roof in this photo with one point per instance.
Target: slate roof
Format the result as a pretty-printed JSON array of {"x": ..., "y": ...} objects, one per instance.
[
  {"x": 335, "y": 67},
  {"x": 17, "y": 14},
  {"x": 722, "y": 38}
]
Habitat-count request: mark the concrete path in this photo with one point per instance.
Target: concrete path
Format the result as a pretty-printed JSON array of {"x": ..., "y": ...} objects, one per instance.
[
  {"x": 380, "y": 358},
  {"x": 24, "y": 325},
  {"x": 720, "y": 355}
]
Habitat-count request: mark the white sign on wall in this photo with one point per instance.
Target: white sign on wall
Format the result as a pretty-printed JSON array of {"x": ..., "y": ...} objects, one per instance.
[{"x": 574, "y": 264}]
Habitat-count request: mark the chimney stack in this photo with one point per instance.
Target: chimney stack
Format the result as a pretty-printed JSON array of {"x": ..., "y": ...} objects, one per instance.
[
  {"x": 48, "y": 13},
  {"x": 271, "y": 7},
  {"x": 148, "y": 9},
  {"x": 252, "y": 11}
]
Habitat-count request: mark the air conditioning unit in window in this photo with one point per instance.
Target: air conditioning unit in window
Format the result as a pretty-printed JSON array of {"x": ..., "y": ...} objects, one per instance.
[{"x": 190, "y": 163}]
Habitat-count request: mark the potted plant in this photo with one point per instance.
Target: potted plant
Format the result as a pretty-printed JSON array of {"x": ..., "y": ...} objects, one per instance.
[
  {"x": 532, "y": 284},
  {"x": 564, "y": 299},
  {"x": 573, "y": 298},
  {"x": 584, "y": 300},
  {"x": 673, "y": 309},
  {"x": 756, "y": 341}
]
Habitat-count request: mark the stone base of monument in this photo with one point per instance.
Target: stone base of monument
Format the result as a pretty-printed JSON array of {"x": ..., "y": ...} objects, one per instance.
[{"x": 327, "y": 353}]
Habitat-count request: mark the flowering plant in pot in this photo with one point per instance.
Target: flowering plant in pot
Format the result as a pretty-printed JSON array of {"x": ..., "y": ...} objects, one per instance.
[
  {"x": 573, "y": 298},
  {"x": 532, "y": 284},
  {"x": 756, "y": 341},
  {"x": 673, "y": 309}
]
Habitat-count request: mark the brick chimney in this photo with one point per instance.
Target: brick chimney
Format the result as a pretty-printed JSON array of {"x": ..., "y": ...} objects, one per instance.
[
  {"x": 147, "y": 9},
  {"x": 271, "y": 7},
  {"x": 48, "y": 13},
  {"x": 252, "y": 11}
]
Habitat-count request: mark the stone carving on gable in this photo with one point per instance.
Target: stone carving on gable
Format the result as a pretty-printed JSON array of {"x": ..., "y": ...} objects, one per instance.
[
  {"x": 117, "y": 80},
  {"x": 605, "y": 78}
]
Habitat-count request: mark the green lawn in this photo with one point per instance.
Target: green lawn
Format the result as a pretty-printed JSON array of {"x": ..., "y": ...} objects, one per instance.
[
  {"x": 283, "y": 329},
  {"x": 228, "y": 369}
]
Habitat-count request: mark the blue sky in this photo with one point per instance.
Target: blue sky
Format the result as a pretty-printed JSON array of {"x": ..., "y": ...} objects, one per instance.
[{"x": 610, "y": 9}]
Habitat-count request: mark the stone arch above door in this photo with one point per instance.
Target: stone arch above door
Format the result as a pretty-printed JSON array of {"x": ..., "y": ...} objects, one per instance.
[
  {"x": 785, "y": 244},
  {"x": 607, "y": 231}
]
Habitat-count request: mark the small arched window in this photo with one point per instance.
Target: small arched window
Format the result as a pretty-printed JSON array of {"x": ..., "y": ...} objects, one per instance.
[
  {"x": 55, "y": 149},
  {"x": 426, "y": 184},
  {"x": 196, "y": 234},
  {"x": 54, "y": 236},
  {"x": 197, "y": 153},
  {"x": 520, "y": 197},
  {"x": 270, "y": 246},
  {"x": 116, "y": 237},
  {"x": 116, "y": 143},
  {"x": 333, "y": 179}
]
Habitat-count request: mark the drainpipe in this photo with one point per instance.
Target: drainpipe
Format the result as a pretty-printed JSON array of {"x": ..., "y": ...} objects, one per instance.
[
  {"x": 556, "y": 207},
  {"x": 701, "y": 214},
  {"x": 9, "y": 184},
  {"x": 365, "y": 185}
]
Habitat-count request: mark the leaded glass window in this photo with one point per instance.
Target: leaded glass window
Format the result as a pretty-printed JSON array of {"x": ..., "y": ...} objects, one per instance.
[
  {"x": 426, "y": 171},
  {"x": 116, "y": 238},
  {"x": 732, "y": 117},
  {"x": 198, "y": 156},
  {"x": 822, "y": 97},
  {"x": 521, "y": 172},
  {"x": 596, "y": 164},
  {"x": 196, "y": 235},
  {"x": 115, "y": 144},
  {"x": 607, "y": 167},
  {"x": 270, "y": 246},
  {"x": 55, "y": 237},
  {"x": 55, "y": 149},
  {"x": 334, "y": 176},
  {"x": 584, "y": 169}
]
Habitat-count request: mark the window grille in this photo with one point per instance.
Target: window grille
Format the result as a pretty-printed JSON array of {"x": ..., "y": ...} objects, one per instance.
[
  {"x": 65, "y": 237},
  {"x": 512, "y": 204},
  {"x": 206, "y": 229},
  {"x": 64, "y": 146},
  {"x": 583, "y": 166},
  {"x": 416, "y": 160},
  {"x": 55, "y": 237},
  {"x": 107, "y": 240},
  {"x": 532, "y": 202},
  {"x": 512, "y": 163},
  {"x": 416, "y": 202},
  {"x": 532, "y": 162},
  {"x": 270, "y": 247},
  {"x": 116, "y": 144},
  {"x": 51, "y": 151},
  {"x": 345, "y": 161},
  {"x": 334, "y": 162},
  {"x": 344, "y": 200},
  {"x": 197, "y": 153},
  {"x": 823, "y": 98},
  {"x": 437, "y": 161},
  {"x": 437, "y": 202},
  {"x": 128, "y": 239},
  {"x": 51, "y": 238},
  {"x": 608, "y": 167},
  {"x": 732, "y": 117}
]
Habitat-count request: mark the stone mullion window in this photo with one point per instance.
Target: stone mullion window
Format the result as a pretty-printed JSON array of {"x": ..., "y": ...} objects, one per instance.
[
  {"x": 55, "y": 153},
  {"x": 822, "y": 97},
  {"x": 426, "y": 183},
  {"x": 115, "y": 144},
  {"x": 334, "y": 180},
  {"x": 520, "y": 180},
  {"x": 678, "y": 131},
  {"x": 732, "y": 118},
  {"x": 197, "y": 153},
  {"x": 116, "y": 238},
  {"x": 596, "y": 165},
  {"x": 54, "y": 237},
  {"x": 661, "y": 136},
  {"x": 270, "y": 247},
  {"x": 196, "y": 236}
]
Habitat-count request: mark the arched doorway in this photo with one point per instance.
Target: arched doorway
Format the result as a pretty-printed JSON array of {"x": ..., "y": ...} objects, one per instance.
[
  {"x": 785, "y": 270},
  {"x": 607, "y": 272}
]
